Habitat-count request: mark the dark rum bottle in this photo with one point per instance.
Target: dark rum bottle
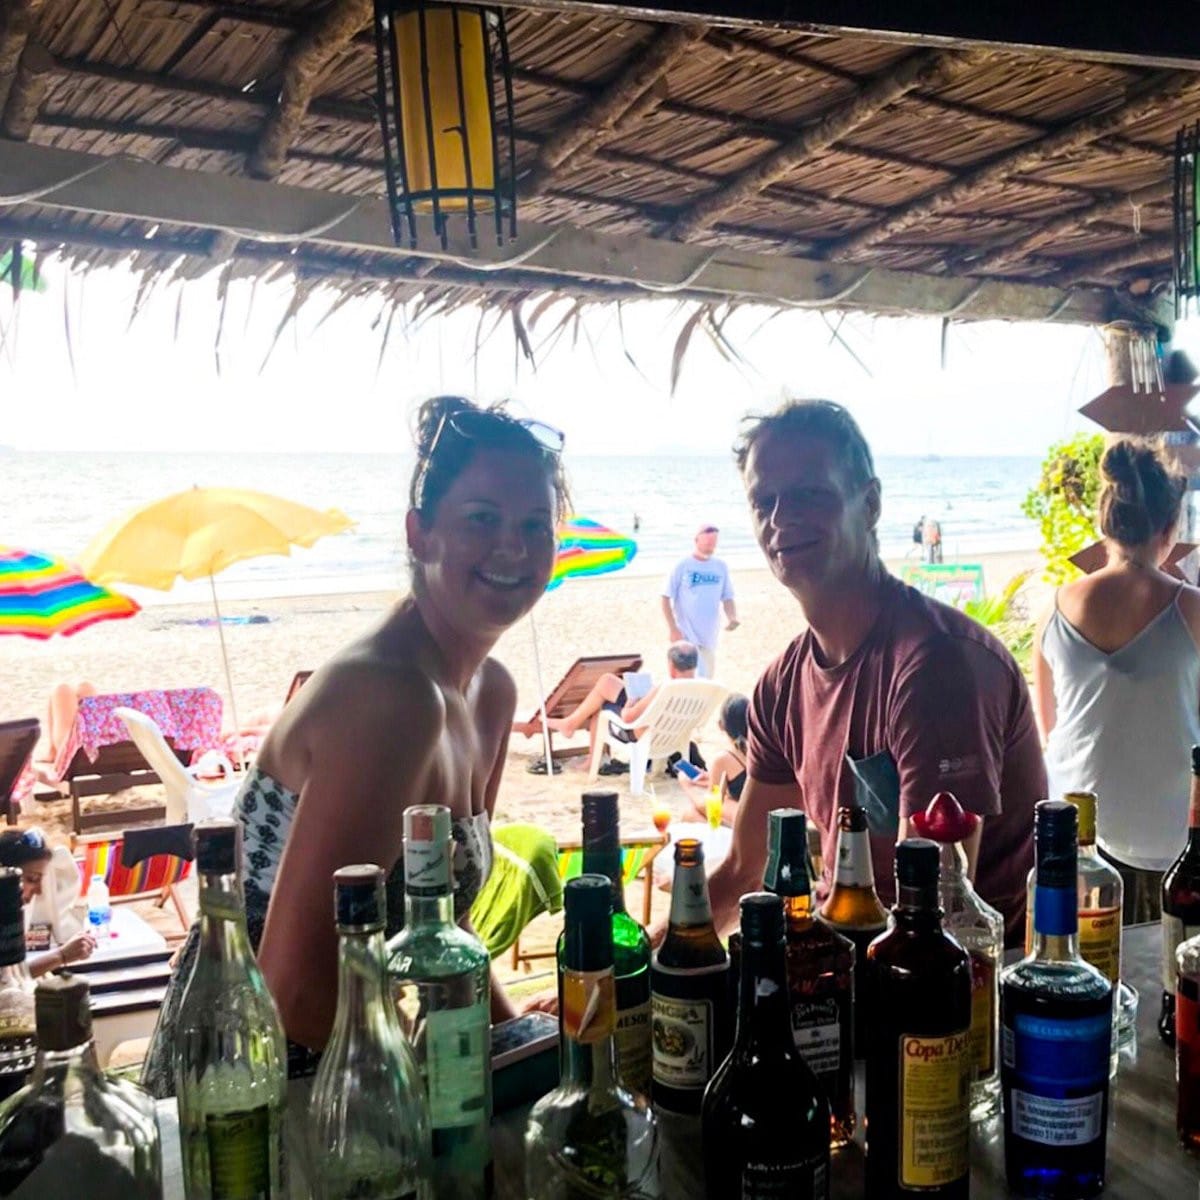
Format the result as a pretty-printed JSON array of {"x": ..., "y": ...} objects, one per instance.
[
  {"x": 1056, "y": 1016},
  {"x": 17, "y": 1025},
  {"x": 820, "y": 971},
  {"x": 765, "y": 1120},
  {"x": 852, "y": 906},
  {"x": 1187, "y": 1043},
  {"x": 918, "y": 1043},
  {"x": 1180, "y": 905},
  {"x": 689, "y": 986}
]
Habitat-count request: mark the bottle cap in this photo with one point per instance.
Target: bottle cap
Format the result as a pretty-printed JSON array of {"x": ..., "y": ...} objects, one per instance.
[
  {"x": 917, "y": 864},
  {"x": 62, "y": 1012},
  {"x": 601, "y": 819},
  {"x": 427, "y": 823},
  {"x": 218, "y": 846},
  {"x": 1085, "y": 806},
  {"x": 1055, "y": 826},
  {"x": 587, "y": 925},
  {"x": 786, "y": 873},
  {"x": 359, "y": 898},
  {"x": 852, "y": 818},
  {"x": 945, "y": 821},
  {"x": 761, "y": 919},
  {"x": 427, "y": 863}
]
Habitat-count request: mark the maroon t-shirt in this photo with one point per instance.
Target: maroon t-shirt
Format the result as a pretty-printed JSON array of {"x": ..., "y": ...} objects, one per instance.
[{"x": 934, "y": 692}]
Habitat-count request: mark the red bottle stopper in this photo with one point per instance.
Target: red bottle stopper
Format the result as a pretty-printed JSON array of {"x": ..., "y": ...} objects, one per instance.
[{"x": 944, "y": 820}]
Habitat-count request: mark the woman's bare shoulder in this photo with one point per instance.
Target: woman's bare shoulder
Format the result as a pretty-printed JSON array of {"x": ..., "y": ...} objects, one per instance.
[
  {"x": 375, "y": 693},
  {"x": 1189, "y": 606}
]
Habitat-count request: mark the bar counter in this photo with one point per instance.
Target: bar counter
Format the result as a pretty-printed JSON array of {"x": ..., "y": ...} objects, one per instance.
[{"x": 1144, "y": 1158}]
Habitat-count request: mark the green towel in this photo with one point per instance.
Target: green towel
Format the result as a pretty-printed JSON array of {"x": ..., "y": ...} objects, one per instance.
[{"x": 524, "y": 882}]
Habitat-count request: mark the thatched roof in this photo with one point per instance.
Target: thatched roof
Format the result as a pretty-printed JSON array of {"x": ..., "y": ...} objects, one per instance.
[{"x": 868, "y": 156}]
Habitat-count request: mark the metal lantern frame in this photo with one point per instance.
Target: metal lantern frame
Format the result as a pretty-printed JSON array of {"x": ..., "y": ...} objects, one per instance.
[
  {"x": 1187, "y": 221},
  {"x": 501, "y": 197}
]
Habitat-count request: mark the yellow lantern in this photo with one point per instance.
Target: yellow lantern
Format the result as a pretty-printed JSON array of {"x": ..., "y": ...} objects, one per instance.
[{"x": 438, "y": 115}]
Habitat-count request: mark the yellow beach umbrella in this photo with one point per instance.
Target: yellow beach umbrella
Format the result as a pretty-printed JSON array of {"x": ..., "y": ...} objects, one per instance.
[{"x": 199, "y": 532}]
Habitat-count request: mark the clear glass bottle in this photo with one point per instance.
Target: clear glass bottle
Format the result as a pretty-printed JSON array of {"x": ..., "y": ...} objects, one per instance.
[
  {"x": 72, "y": 1131},
  {"x": 689, "y": 986},
  {"x": 820, "y": 971},
  {"x": 979, "y": 929},
  {"x": 1187, "y": 1043},
  {"x": 1180, "y": 905},
  {"x": 765, "y": 1119},
  {"x": 17, "y": 1044},
  {"x": 589, "y": 1137},
  {"x": 441, "y": 983},
  {"x": 231, "y": 1062},
  {"x": 853, "y": 908},
  {"x": 368, "y": 1120},
  {"x": 1056, "y": 1015}
]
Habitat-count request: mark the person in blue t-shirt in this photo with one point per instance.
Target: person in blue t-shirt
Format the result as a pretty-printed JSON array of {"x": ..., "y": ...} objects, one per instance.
[{"x": 696, "y": 591}]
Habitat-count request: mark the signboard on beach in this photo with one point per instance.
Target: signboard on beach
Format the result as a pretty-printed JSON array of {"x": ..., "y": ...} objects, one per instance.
[{"x": 952, "y": 583}]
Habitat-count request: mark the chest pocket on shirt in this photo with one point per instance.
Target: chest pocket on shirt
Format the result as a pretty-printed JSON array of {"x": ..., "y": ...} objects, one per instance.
[{"x": 877, "y": 789}]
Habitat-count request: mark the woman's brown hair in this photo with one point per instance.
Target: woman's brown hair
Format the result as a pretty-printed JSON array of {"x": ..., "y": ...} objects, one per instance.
[{"x": 1141, "y": 495}]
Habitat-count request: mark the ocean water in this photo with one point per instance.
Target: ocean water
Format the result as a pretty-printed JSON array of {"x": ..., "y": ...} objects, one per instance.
[{"x": 56, "y": 502}]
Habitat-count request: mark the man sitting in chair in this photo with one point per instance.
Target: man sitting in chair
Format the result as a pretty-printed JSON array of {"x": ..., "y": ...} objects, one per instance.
[{"x": 608, "y": 695}]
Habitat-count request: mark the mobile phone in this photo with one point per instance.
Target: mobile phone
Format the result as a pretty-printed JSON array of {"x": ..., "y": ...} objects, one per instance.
[{"x": 690, "y": 770}]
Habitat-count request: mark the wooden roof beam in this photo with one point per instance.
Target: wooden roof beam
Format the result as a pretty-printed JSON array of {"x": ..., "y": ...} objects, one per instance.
[
  {"x": 1149, "y": 250},
  {"x": 35, "y": 71},
  {"x": 16, "y": 28},
  {"x": 588, "y": 130},
  {"x": 925, "y": 69},
  {"x": 1160, "y": 89},
  {"x": 308, "y": 58}
]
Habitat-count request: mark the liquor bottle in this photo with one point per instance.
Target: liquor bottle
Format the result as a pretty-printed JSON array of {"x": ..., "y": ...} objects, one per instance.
[
  {"x": 631, "y": 946},
  {"x": 441, "y": 982},
  {"x": 918, "y": 1043},
  {"x": 1187, "y": 1042},
  {"x": 590, "y": 1136},
  {"x": 765, "y": 1119},
  {"x": 852, "y": 906},
  {"x": 689, "y": 987},
  {"x": 368, "y": 1121},
  {"x": 1056, "y": 1015},
  {"x": 17, "y": 1044},
  {"x": 979, "y": 929},
  {"x": 1101, "y": 893},
  {"x": 820, "y": 971},
  {"x": 1180, "y": 905},
  {"x": 73, "y": 1131},
  {"x": 231, "y": 1061}
]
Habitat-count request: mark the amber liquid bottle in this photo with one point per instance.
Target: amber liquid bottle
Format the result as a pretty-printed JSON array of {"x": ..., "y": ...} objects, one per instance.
[
  {"x": 689, "y": 991},
  {"x": 1180, "y": 905},
  {"x": 918, "y": 1044},
  {"x": 820, "y": 971},
  {"x": 1187, "y": 1043},
  {"x": 853, "y": 909}
]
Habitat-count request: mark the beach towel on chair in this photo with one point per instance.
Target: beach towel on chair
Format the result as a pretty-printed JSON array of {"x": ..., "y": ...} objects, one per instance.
[{"x": 524, "y": 883}]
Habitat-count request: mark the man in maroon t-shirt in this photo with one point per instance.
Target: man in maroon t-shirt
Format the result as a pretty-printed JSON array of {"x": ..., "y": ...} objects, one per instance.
[{"x": 888, "y": 696}]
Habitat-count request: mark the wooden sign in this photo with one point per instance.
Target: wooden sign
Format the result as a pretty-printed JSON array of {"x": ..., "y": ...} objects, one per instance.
[
  {"x": 1122, "y": 410},
  {"x": 1092, "y": 558}
]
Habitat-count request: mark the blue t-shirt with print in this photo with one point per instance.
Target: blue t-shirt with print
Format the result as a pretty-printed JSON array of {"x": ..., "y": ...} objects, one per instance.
[{"x": 696, "y": 589}]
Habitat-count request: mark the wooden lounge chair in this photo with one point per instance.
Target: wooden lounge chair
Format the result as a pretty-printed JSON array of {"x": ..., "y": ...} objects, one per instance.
[
  {"x": 17, "y": 740},
  {"x": 117, "y": 765},
  {"x": 571, "y": 689}
]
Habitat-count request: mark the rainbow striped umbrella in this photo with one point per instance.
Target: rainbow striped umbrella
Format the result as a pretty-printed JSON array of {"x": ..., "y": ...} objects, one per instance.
[
  {"x": 41, "y": 596},
  {"x": 585, "y": 547}
]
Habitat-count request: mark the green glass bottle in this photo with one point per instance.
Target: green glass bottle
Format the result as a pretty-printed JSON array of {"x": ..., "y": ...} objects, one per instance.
[
  {"x": 631, "y": 946},
  {"x": 368, "y": 1121},
  {"x": 231, "y": 1063},
  {"x": 441, "y": 982}
]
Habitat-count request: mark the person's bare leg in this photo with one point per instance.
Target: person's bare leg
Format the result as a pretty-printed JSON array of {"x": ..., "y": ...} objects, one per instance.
[
  {"x": 60, "y": 716},
  {"x": 604, "y": 691}
]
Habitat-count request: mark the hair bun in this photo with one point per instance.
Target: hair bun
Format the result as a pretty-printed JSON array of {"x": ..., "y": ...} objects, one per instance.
[
  {"x": 1141, "y": 496},
  {"x": 1122, "y": 466},
  {"x": 430, "y": 416}
]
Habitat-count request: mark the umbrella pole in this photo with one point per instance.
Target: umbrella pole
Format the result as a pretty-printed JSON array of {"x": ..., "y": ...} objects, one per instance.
[
  {"x": 237, "y": 728},
  {"x": 537, "y": 670}
]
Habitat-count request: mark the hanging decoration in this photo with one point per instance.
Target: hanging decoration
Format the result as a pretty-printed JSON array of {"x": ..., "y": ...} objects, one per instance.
[
  {"x": 449, "y": 146},
  {"x": 1187, "y": 224}
]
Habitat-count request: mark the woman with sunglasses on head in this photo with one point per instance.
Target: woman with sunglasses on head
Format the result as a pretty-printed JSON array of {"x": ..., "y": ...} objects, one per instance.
[{"x": 413, "y": 713}]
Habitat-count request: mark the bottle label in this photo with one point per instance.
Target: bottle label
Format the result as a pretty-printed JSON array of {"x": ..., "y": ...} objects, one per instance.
[
  {"x": 1059, "y": 1077},
  {"x": 1055, "y": 910},
  {"x": 1174, "y": 933},
  {"x": 805, "y": 1180},
  {"x": 854, "y": 867},
  {"x": 1100, "y": 940},
  {"x": 634, "y": 1058},
  {"x": 239, "y": 1154},
  {"x": 456, "y": 1065},
  {"x": 588, "y": 1000},
  {"x": 817, "y": 1033},
  {"x": 682, "y": 1035},
  {"x": 427, "y": 868},
  {"x": 983, "y": 1016},
  {"x": 12, "y": 942},
  {"x": 935, "y": 1076},
  {"x": 689, "y": 897}
]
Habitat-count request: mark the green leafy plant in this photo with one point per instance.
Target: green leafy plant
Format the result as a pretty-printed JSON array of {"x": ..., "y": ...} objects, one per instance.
[
  {"x": 1007, "y": 616},
  {"x": 1064, "y": 502}
]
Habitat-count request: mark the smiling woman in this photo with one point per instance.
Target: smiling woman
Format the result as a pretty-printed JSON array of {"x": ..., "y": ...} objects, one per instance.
[{"x": 415, "y": 713}]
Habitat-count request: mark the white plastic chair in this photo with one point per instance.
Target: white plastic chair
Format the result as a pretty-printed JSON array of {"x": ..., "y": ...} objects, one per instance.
[
  {"x": 679, "y": 708},
  {"x": 188, "y": 798}
]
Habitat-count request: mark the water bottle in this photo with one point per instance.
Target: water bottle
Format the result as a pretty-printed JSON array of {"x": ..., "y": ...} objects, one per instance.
[{"x": 99, "y": 909}]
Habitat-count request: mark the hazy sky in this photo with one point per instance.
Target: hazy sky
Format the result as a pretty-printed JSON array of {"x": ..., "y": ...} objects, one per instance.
[{"x": 1004, "y": 388}]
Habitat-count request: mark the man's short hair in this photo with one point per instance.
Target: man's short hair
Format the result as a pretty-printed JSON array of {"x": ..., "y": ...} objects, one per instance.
[
  {"x": 683, "y": 656},
  {"x": 812, "y": 418}
]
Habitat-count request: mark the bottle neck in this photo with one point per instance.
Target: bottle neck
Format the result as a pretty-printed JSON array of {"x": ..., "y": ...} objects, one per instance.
[
  {"x": 12, "y": 946},
  {"x": 589, "y": 1054},
  {"x": 917, "y": 909},
  {"x": 1055, "y": 923},
  {"x": 763, "y": 1018},
  {"x": 428, "y": 911},
  {"x": 362, "y": 982},
  {"x": 62, "y": 1069},
  {"x": 854, "y": 867},
  {"x": 606, "y": 860},
  {"x": 1088, "y": 850},
  {"x": 690, "y": 905},
  {"x": 223, "y": 918},
  {"x": 1194, "y": 811},
  {"x": 798, "y": 912}
]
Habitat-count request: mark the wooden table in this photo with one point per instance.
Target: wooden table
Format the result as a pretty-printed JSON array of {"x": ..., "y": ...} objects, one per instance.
[{"x": 1144, "y": 1159}]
